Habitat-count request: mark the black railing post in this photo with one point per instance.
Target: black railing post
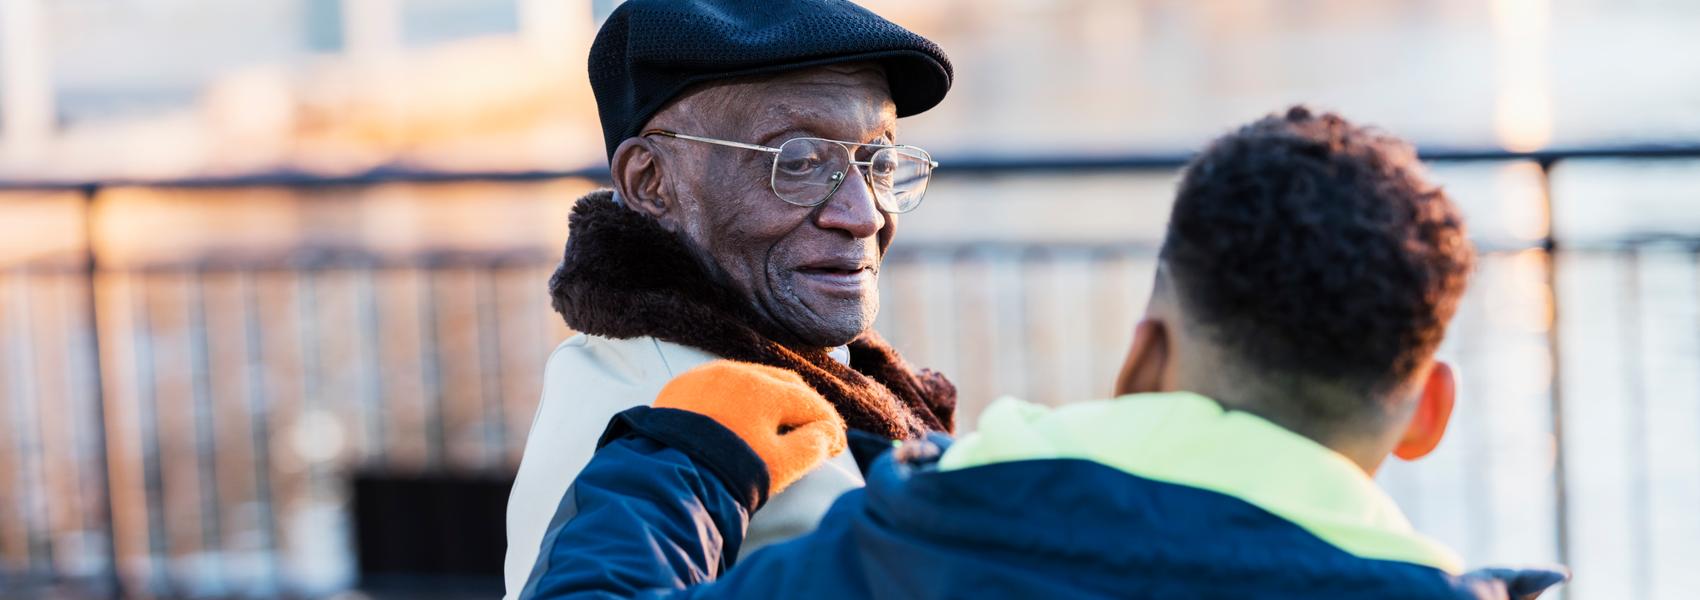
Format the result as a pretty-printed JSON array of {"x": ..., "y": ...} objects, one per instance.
[
  {"x": 205, "y": 421},
  {"x": 430, "y": 370},
  {"x": 91, "y": 306},
  {"x": 1639, "y": 501},
  {"x": 260, "y": 428},
  {"x": 1555, "y": 383},
  {"x": 487, "y": 296}
]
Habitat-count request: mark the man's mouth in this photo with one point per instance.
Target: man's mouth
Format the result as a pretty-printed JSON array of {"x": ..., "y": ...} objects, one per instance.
[
  {"x": 834, "y": 270},
  {"x": 838, "y": 277}
]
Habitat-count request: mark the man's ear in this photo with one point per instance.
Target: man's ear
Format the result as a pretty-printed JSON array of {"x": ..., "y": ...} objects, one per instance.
[
  {"x": 638, "y": 173},
  {"x": 1434, "y": 410},
  {"x": 1147, "y": 360}
]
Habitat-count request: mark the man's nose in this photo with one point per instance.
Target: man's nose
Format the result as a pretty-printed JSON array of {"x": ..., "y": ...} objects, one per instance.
[{"x": 852, "y": 208}]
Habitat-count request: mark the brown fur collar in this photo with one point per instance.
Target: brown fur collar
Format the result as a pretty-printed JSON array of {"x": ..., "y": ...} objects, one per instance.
[{"x": 623, "y": 276}]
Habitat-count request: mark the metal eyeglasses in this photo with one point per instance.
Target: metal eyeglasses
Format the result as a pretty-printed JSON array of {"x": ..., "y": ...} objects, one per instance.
[{"x": 807, "y": 170}]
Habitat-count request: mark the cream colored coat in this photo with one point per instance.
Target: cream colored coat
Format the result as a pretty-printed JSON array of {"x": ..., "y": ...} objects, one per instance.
[{"x": 589, "y": 379}]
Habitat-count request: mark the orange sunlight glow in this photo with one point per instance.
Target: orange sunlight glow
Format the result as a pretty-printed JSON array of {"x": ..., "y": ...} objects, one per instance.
[{"x": 1523, "y": 114}]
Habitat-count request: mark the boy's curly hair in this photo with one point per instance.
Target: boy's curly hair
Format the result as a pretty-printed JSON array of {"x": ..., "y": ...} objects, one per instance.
[{"x": 1315, "y": 249}]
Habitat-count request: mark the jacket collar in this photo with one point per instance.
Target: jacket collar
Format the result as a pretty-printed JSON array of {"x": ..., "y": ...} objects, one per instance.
[
  {"x": 1190, "y": 440},
  {"x": 624, "y": 276}
]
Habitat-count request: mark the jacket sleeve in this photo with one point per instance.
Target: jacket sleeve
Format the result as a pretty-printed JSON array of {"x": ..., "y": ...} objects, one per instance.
[{"x": 662, "y": 506}]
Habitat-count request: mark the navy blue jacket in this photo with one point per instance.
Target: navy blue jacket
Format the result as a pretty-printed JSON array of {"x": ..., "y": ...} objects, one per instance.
[{"x": 661, "y": 510}]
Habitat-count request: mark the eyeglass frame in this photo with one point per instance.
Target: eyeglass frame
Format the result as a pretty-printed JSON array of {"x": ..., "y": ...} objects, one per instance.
[{"x": 773, "y": 171}]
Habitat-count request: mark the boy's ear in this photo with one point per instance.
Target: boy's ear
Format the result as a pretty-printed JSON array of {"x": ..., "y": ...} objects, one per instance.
[
  {"x": 1147, "y": 360},
  {"x": 1434, "y": 410}
]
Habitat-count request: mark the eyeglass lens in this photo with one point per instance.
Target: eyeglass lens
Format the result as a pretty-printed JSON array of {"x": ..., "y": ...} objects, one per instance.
[{"x": 807, "y": 171}]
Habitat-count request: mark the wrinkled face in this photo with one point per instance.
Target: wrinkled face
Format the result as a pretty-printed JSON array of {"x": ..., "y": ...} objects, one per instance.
[{"x": 813, "y": 271}]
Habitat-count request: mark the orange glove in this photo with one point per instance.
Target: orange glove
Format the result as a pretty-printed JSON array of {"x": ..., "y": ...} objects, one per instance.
[{"x": 788, "y": 424}]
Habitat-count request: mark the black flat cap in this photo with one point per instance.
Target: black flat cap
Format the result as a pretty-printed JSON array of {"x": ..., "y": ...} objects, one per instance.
[{"x": 651, "y": 50}]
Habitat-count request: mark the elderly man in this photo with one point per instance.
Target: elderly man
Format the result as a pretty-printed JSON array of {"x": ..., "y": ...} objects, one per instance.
[{"x": 757, "y": 181}]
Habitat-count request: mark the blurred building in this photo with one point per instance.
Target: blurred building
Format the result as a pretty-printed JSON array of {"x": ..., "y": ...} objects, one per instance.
[
  {"x": 170, "y": 89},
  {"x": 174, "y": 88}
]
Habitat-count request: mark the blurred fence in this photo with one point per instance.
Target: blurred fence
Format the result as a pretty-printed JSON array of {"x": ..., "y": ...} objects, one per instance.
[{"x": 194, "y": 429}]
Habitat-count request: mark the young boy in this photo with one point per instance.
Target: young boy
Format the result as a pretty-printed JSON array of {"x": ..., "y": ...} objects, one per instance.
[{"x": 1307, "y": 276}]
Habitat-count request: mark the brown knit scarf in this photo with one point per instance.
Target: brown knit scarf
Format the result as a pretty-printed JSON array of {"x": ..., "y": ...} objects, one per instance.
[{"x": 624, "y": 276}]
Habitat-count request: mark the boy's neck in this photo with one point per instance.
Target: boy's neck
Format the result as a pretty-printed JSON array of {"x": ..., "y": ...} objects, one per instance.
[
  {"x": 1368, "y": 456},
  {"x": 1368, "y": 452}
]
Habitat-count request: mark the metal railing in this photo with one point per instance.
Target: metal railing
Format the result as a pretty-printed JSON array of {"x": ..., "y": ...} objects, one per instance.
[{"x": 190, "y": 430}]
